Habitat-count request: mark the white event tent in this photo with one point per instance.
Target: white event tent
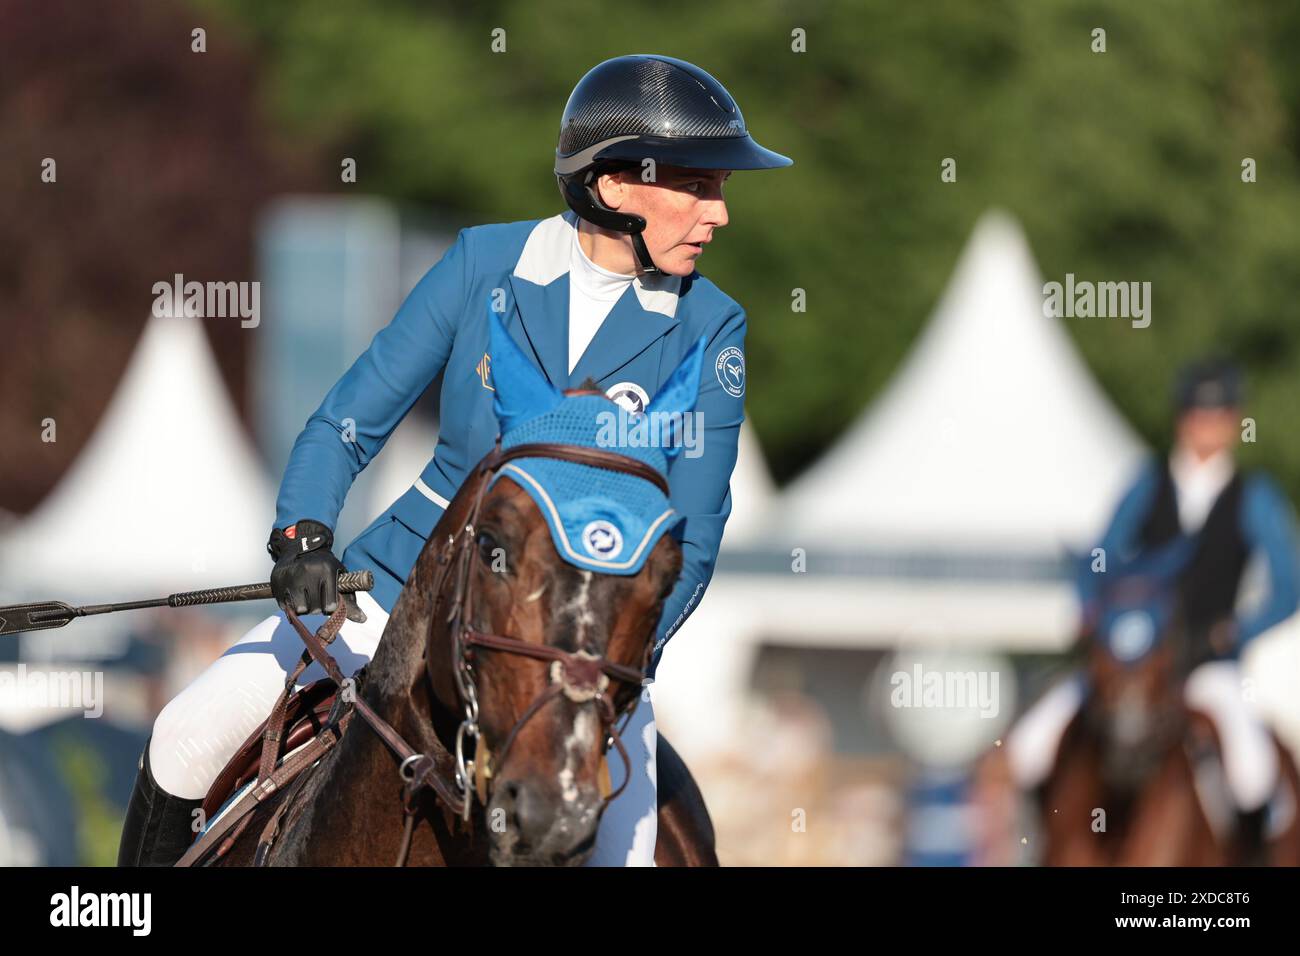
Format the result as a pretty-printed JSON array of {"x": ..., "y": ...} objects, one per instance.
[{"x": 168, "y": 494}]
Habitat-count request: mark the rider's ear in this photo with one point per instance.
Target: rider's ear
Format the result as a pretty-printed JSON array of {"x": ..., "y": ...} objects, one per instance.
[{"x": 522, "y": 391}]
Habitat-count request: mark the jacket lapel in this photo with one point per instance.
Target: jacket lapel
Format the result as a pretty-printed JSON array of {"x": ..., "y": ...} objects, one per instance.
[
  {"x": 644, "y": 313},
  {"x": 626, "y": 332},
  {"x": 543, "y": 329}
]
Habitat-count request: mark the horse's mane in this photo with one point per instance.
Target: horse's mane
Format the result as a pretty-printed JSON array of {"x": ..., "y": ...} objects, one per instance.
[{"x": 589, "y": 386}]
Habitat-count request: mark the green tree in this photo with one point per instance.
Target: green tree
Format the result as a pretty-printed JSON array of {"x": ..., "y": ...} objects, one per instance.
[{"x": 1123, "y": 165}]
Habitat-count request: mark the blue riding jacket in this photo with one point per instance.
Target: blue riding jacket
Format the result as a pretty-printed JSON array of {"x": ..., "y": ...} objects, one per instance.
[{"x": 521, "y": 271}]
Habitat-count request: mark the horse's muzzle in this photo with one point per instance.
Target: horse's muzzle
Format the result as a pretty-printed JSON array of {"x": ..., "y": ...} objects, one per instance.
[{"x": 530, "y": 827}]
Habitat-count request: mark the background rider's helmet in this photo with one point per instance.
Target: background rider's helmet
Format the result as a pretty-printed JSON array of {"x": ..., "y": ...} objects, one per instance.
[
  {"x": 1209, "y": 383},
  {"x": 633, "y": 108}
]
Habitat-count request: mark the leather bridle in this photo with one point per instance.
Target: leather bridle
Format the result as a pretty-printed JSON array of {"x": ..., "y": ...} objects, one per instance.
[{"x": 579, "y": 676}]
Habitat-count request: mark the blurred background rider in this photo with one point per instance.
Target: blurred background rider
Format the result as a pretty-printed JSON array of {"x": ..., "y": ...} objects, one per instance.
[{"x": 1225, "y": 517}]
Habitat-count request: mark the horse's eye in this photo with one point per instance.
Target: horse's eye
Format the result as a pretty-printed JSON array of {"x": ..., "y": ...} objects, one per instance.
[{"x": 491, "y": 551}]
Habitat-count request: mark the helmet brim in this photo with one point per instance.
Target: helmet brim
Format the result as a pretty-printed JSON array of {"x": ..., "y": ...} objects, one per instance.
[{"x": 691, "y": 152}]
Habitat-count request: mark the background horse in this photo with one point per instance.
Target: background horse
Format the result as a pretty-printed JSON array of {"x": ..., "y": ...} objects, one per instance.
[
  {"x": 1138, "y": 776},
  {"x": 1139, "y": 761}
]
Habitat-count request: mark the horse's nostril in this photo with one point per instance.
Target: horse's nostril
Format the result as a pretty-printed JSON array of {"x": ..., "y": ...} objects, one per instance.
[{"x": 524, "y": 811}]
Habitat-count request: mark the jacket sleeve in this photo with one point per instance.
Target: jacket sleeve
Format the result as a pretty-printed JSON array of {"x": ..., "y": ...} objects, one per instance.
[
  {"x": 363, "y": 408},
  {"x": 701, "y": 484},
  {"x": 1120, "y": 541},
  {"x": 1268, "y": 525}
]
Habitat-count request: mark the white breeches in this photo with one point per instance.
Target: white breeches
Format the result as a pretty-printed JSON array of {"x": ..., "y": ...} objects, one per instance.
[
  {"x": 627, "y": 830},
  {"x": 201, "y": 728},
  {"x": 1214, "y": 688}
]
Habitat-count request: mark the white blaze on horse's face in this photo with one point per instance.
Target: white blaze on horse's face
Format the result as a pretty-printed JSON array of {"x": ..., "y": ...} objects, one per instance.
[
  {"x": 579, "y": 742},
  {"x": 578, "y": 610},
  {"x": 1132, "y": 718}
]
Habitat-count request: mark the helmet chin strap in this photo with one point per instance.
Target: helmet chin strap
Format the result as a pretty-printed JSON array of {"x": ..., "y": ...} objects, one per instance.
[
  {"x": 642, "y": 253},
  {"x": 613, "y": 220}
]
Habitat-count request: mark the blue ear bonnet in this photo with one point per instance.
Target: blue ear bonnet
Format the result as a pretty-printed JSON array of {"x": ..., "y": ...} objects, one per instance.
[
  {"x": 1133, "y": 630},
  {"x": 603, "y": 520},
  {"x": 606, "y": 521},
  {"x": 1139, "y": 606}
]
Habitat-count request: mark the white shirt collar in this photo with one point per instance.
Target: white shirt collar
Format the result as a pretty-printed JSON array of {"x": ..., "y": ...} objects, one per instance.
[
  {"x": 547, "y": 255},
  {"x": 1198, "y": 484}
]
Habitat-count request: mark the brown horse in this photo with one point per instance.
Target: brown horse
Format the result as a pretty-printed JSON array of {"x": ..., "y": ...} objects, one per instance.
[
  {"x": 546, "y": 750},
  {"x": 1137, "y": 779}
]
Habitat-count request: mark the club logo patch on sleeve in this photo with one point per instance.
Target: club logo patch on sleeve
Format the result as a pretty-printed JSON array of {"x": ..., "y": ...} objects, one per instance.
[
  {"x": 731, "y": 370},
  {"x": 602, "y": 539}
]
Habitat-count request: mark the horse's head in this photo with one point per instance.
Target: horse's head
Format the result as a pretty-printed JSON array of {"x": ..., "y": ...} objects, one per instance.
[
  {"x": 556, "y": 582},
  {"x": 1134, "y": 665}
]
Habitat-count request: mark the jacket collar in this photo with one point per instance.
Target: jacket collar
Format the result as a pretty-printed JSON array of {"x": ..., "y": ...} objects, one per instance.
[{"x": 645, "y": 312}]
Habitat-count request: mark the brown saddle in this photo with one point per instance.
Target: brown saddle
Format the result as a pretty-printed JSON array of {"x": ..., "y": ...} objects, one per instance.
[{"x": 304, "y": 717}]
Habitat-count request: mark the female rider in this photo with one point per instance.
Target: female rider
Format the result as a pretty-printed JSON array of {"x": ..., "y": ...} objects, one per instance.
[{"x": 606, "y": 291}]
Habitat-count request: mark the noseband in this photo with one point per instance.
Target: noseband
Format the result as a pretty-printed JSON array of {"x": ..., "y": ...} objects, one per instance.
[{"x": 580, "y": 676}]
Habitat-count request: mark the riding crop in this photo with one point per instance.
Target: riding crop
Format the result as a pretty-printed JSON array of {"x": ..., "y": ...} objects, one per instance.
[{"x": 40, "y": 615}]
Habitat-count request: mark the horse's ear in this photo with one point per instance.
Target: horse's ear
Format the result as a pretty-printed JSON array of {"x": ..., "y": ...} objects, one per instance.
[
  {"x": 522, "y": 392},
  {"x": 682, "y": 389},
  {"x": 677, "y": 399}
]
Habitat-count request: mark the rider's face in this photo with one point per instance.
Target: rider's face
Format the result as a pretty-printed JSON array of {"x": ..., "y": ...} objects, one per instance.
[
  {"x": 682, "y": 209},
  {"x": 1208, "y": 431}
]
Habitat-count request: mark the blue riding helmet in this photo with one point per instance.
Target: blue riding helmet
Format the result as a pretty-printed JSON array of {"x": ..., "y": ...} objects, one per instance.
[
  {"x": 645, "y": 106},
  {"x": 1209, "y": 383}
]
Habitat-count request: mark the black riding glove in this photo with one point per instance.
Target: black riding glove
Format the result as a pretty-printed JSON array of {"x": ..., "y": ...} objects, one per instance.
[{"x": 306, "y": 573}]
